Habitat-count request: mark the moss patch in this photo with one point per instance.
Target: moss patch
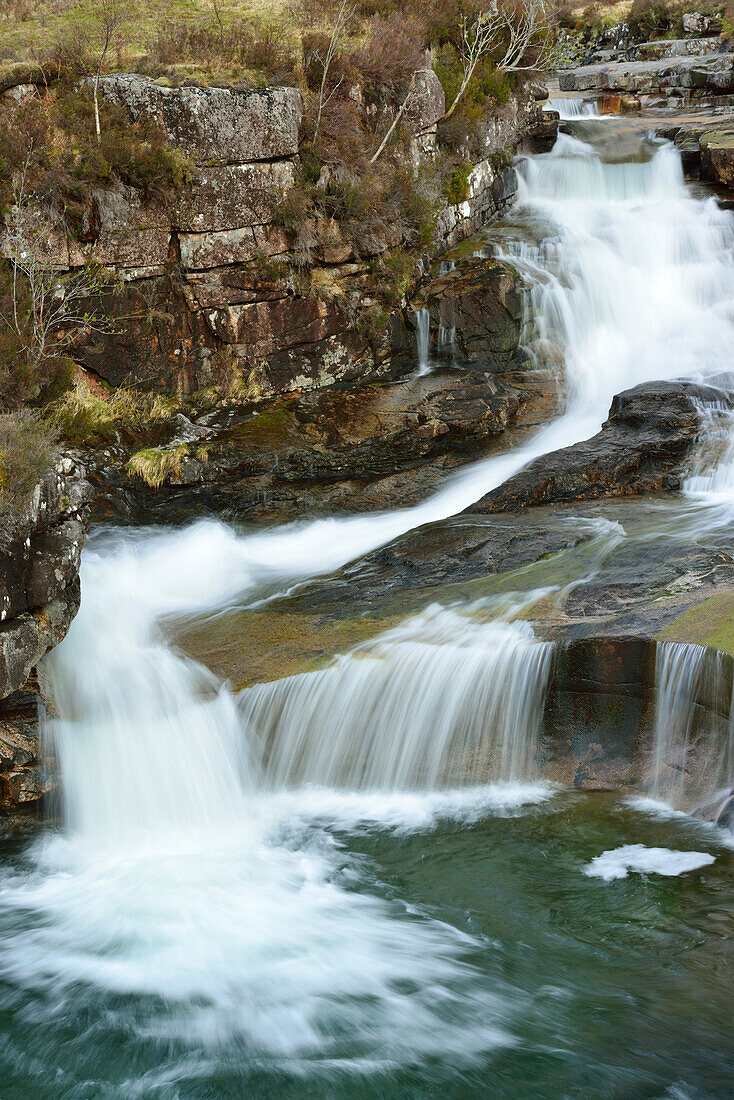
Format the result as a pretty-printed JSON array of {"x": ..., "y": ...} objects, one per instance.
[
  {"x": 711, "y": 623},
  {"x": 252, "y": 647}
]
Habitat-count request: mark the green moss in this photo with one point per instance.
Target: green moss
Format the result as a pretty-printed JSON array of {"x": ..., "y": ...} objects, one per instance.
[
  {"x": 711, "y": 623},
  {"x": 269, "y": 428},
  {"x": 249, "y": 647},
  {"x": 457, "y": 185}
]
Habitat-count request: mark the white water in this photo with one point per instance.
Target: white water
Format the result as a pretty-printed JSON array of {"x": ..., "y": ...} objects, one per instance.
[
  {"x": 423, "y": 340},
  {"x": 618, "y": 862},
  {"x": 569, "y": 109},
  {"x": 692, "y": 762},
  {"x": 443, "y": 698},
  {"x": 177, "y": 874}
]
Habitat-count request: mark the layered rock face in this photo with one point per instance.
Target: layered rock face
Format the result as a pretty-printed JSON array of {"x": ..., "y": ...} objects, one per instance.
[
  {"x": 39, "y": 597},
  {"x": 353, "y": 449},
  {"x": 476, "y": 313},
  {"x": 680, "y": 78},
  {"x": 212, "y": 267}
]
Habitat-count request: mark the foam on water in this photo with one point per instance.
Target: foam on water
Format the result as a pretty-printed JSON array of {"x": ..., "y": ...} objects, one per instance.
[{"x": 618, "y": 862}]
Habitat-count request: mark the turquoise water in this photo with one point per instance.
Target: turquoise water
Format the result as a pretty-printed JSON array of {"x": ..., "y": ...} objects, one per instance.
[{"x": 616, "y": 989}]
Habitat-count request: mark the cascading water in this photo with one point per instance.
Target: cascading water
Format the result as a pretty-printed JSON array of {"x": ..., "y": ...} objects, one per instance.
[
  {"x": 423, "y": 340},
  {"x": 185, "y": 882},
  {"x": 573, "y": 109},
  {"x": 440, "y": 700},
  {"x": 692, "y": 760}
]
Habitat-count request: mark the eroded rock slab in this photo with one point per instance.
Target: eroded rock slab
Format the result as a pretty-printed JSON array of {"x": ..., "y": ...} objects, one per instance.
[
  {"x": 476, "y": 314},
  {"x": 641, "y": 448}
]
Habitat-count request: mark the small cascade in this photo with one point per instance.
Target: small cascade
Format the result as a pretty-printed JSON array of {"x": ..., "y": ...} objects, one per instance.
[
  {"x": 569, "y": 109},
  {"x": 445, "y": 698},
  {"x": 692, "y": 763},
  {"x": 711, "y": 477},
  {"x": 446, "y": 337},
  {"x": 423, "y": 339},
  {"x": 447, "y": 266}
]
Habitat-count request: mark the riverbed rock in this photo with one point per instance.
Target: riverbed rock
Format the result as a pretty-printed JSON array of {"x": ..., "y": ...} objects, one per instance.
[
  {"x": 289, "y": 454},
  {"x": 39, "y": 597},
  {"x": 641, "y": 448},
  {"x": 681, "y": 77},
  {"x": 39, "y": 573}
]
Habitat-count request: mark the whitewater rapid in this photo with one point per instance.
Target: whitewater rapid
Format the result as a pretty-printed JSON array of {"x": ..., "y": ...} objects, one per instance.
[{"x": 193, "y": 871}]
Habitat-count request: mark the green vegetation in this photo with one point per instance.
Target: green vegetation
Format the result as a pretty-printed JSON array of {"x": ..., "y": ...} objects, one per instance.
[
  {"x": 360, "y": 68},
  {"x": 711, "y": 623},
  {"x": 156, "y": 464},
  {"x": 27, "y": 453}
]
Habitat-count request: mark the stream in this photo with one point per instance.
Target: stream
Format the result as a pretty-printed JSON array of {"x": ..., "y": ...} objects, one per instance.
[{"x": 351, "y": 881}]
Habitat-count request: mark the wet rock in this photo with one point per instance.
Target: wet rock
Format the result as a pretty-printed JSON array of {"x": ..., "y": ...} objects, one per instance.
[
  {"x": 599, "y": 704},
  {"x": 39, "y": 585},
  {"x": 25, "y": 778},
  {"x": 641, "y": 448},
  {"x": 449, "y": 553},
  {"x": 717, "y": 156},
  {"x": 284, "y": 456},
  {"x": 215, "y": 124},
  {"x": 476, "y": 314}
]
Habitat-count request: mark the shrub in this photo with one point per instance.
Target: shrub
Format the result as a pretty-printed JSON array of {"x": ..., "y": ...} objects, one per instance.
[
  {"x": 55, "y": 136},
  {"x": 457, "y": 185},
  {"x": 27, "y": 453},
  {"x": 651, "y": 18},
  {"x": 257, "y": 52}
]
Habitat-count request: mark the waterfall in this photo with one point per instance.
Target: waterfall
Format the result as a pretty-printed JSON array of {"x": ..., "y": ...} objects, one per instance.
[
  {"x": 692, "y": 760},
  {"x": 441, "y": 700},
  {"x": 423, "y": 340},
  {"x": 184, "y": 877},
  {"x": 569, "y": 109}
]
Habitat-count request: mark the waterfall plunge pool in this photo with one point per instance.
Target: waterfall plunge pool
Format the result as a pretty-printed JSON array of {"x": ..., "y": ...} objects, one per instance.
[{"x": 163, "y": 981}]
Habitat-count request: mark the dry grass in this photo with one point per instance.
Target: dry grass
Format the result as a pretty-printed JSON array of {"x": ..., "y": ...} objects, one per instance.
[
  {"x": 157, "y": 464},
  {"x": 31, "y": 28}
]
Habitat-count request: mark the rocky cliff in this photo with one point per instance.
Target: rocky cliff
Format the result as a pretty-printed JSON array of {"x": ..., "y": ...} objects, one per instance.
[
  {"x": 213, "y": 269},
  {"x": 39, "y": 597}
]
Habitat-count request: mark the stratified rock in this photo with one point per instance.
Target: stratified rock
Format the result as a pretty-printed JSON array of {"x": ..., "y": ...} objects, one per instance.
[
  {"x": 641, "y": 448},
  {"x": 717, "y": 156},
  {"x": 232, "y": 196},
  {"x": 24, "y": 777},
  {"x": 215, "y": 124},
  {"x": 674, "y": 76},
  {"x": 290, "y": 453}
]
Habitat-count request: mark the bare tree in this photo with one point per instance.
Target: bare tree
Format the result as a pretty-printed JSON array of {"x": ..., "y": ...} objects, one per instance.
[
  {"x": 522, "y": 24},
  {"x": 344, "y": 14},
  {"x": 49, "y": 311},
  {"x": 99, "y": 32},
  {"x": 409, "y": 101}
]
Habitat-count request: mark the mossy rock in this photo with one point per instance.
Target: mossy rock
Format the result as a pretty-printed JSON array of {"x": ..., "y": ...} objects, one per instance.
[
  {"x": 710, "y": 624},
  {"x": 250, "y": 647}
]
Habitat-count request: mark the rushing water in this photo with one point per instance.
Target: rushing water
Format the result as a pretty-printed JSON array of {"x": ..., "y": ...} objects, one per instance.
[
  {"x": 573, "y": 109},
  {"x": 300, "y": 891}
]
